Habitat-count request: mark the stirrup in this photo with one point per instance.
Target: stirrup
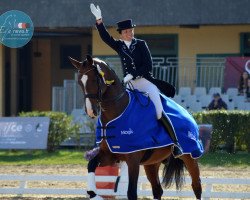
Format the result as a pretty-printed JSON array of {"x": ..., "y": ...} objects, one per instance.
[{"x": 177, "y": 151}]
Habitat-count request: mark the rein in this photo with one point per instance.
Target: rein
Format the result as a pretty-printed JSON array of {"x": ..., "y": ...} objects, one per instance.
[
  {"x": 99, "y": 94},
  {"x": 132, "y": 89}
]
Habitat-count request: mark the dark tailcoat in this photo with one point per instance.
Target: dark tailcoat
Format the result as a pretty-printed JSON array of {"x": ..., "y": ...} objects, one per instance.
[{"x": 136, "y": 60}]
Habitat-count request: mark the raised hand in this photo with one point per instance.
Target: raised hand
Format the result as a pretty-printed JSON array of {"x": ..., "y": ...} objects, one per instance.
[{"x": 96, "y": 11}]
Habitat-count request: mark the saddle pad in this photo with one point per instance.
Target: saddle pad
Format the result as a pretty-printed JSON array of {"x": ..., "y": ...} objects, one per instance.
[{"x": 137, "y": 128}]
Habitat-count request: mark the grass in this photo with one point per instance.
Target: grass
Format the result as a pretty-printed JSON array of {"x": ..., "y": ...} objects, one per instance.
[
  {"x": 60, "y": 157},
  {"x": 63, "y": 157}
]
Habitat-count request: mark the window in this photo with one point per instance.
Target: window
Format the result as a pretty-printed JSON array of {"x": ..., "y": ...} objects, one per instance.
[
  {"x": 161, "y": 45},
  {"x": 73, "y": 51},
  {"x": 245, "y": 44}
]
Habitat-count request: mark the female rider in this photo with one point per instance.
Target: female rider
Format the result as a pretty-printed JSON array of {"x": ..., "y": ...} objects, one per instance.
[{"x": 137, "y": 66}]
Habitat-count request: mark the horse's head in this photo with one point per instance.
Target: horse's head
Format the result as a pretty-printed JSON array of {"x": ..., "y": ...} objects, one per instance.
[{"x": 93, "y": 77}]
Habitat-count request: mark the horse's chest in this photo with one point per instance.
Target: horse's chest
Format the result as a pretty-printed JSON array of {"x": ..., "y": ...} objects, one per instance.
[{"x": 104, "y": 146}]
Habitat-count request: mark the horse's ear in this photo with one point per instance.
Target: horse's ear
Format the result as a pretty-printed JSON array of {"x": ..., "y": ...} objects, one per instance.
[
  {"x": 89, "y": 58},
  {"x": 75, "y": 63}
]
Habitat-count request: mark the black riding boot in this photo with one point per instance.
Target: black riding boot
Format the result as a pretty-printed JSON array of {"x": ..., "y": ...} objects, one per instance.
[{"x": 177, "y": 150}]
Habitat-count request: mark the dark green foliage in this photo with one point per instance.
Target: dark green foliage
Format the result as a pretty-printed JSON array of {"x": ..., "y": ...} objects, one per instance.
[
  {"x": 223, "y": 159},
  {"x": 231, "y": 129},
  {"x": 60, "y": 128}
]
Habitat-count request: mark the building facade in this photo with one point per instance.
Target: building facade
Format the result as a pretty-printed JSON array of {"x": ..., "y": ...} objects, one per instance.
[{"x": 181, "y": 29}]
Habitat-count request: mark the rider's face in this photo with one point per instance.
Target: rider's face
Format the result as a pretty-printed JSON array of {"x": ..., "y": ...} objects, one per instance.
[{"x": 127, "y": 34}]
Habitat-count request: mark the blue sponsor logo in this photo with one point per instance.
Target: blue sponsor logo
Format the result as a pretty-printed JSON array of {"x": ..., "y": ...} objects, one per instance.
[{"x": 127, "y": 132}]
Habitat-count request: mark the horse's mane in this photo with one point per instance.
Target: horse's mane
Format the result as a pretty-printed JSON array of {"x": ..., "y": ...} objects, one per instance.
[
  {"x": 99, "y": 61},
  {"x": 106, "y": 65}
]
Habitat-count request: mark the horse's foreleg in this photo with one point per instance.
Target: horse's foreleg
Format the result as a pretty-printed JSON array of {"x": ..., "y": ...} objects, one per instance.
[
  {"x": 153, "y": 177},
  {"x": 194, "y": 171},
  {"x": 133, "y": 173},
  {"x": 91, "y": 186}
]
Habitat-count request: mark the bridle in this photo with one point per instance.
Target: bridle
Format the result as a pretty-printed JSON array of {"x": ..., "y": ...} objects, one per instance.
[{"x": 99, "y": 95}]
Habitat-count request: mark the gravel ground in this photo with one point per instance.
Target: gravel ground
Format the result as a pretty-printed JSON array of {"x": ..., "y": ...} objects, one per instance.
[
  {"x": 215, "y": 172},
  {"x": 229, "y": 172}
]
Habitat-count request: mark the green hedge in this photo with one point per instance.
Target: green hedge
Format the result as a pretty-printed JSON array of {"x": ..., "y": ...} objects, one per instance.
[
  {"x": 230, "y": 128},
  {"x": 60, "y": 128}
]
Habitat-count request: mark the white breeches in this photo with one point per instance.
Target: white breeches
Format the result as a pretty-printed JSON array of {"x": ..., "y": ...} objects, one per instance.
[{"x": 144, "y": 85}]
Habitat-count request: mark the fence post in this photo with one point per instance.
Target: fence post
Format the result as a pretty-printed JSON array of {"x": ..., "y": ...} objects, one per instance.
[
  {"x": 208, "y": 190},
  {"x": 22, "y": 186}
]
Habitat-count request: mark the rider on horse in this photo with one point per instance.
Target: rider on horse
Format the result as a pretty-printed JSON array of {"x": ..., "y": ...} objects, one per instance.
[{"x": 137, "y": 66}]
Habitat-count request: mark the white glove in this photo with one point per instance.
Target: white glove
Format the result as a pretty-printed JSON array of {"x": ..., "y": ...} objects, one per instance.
[
  {"x": 127, "y": 78},
  {"x": 96, "y": 11}
]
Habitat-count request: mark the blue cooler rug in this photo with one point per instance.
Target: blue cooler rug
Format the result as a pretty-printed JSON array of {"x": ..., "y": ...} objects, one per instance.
[{"x": 137, "y": 128}]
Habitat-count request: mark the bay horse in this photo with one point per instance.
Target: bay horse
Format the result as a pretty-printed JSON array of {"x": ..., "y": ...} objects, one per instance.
[{"x": 104, "y": 93}]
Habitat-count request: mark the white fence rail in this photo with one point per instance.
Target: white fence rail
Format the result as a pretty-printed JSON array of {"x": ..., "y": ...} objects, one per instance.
[{"x": 142, "y": 191}]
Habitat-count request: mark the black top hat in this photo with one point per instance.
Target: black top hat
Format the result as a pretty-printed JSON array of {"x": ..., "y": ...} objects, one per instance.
[{"x": 126, "y": 24}]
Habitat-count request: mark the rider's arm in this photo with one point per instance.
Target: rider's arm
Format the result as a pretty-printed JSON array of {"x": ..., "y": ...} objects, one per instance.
[{"x": 106, "y": 37}]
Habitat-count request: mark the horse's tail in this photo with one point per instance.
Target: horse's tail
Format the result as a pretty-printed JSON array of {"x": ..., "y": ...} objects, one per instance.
[{"x": 173, "y": 169}]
